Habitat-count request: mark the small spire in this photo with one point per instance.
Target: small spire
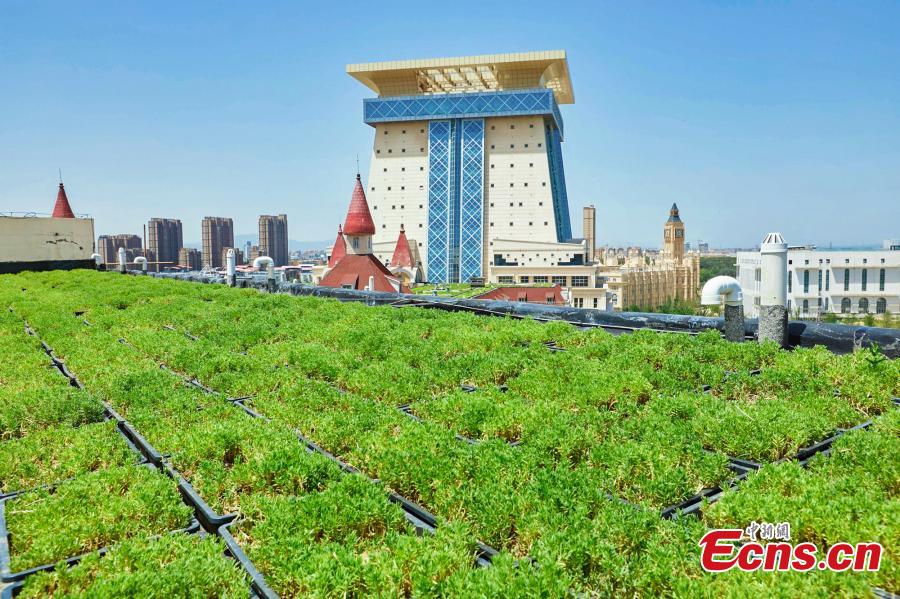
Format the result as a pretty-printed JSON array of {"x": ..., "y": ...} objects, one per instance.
[
  {"x": 62, "y": 209},
  {"x": 359, "y": 219}
]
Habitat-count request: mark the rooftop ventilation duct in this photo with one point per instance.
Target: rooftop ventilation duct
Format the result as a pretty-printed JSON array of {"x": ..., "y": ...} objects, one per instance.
[
  {"x": 270, "y": 279},
  {"x": 728, "y": 290},
  {"x": 231, "y": 268},
  {"x": 773, "y": 316}
]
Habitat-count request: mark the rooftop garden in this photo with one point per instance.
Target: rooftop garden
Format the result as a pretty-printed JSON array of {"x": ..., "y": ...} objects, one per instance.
[{"x": 335, "y": 449}]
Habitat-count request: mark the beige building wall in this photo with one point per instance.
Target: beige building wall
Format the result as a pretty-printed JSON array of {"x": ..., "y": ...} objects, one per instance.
[
  {"x": 518, "y": 199},
  {"x": 397, "y": 188},
  {"x": 39, "y": 239}
]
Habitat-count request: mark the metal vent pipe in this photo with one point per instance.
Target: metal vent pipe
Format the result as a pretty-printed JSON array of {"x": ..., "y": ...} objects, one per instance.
[
  {"x": 773, "y": 314},
  {"x": 270, "y": 279},
  {"x": 231, "y": 269},
  {"x": 122, "y": 260},
  {"x": 728, "y": 290}
]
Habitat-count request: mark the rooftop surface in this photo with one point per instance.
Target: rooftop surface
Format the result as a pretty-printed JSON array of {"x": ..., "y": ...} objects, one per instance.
[
  {"x": 409, "y": 452},
  {"x": 461, "y": 74}
]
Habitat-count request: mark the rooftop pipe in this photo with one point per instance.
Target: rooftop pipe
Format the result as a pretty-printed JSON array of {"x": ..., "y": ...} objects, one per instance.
[
  {"x": 728, "y": 290},
  {"x": 773, "y": 316},
  {"x": 270, "y": 279}
]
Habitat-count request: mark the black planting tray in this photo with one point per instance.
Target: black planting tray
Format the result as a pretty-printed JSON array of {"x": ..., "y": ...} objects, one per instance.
[{"x": 257, "y": 582}]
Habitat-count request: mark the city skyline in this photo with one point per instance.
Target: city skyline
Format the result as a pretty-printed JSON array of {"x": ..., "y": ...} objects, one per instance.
[{"x": 722, "y": 109}]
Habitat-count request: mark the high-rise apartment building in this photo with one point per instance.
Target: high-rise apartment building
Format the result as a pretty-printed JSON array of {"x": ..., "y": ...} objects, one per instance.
[
  {"x": 273, "y": 238},
  {"x": 218, "y": 233},
  {"x": 467, "y": 153},
  {"x": 108, "y": 247},
  {"x": 164, "y": 239},
  {"x": 190, "y": 258}
]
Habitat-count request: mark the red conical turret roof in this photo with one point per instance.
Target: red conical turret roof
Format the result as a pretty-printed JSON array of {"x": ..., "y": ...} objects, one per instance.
[
  {"x": 359, "y": 219},
  {"x": 402, "y": 254},
  {"x": 339, "y": 250},
  {"x": 62, "y": 209}
]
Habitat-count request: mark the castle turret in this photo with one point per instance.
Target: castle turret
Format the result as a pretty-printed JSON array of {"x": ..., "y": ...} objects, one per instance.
[{"x": 359, "y": 226}]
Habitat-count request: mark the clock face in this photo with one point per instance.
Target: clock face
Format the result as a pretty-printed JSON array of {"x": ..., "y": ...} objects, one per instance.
[{"x": 679, "y": 233}]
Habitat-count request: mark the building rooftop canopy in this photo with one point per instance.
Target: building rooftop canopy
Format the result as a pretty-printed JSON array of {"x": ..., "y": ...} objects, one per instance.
[{"x": 488, "y": 72}]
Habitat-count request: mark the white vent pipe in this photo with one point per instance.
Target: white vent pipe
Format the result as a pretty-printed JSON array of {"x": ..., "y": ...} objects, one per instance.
[
  {"x": 122, "y": 260},
  {"x": 722, "y": 288},
  {"x": 371, "y": 286},
  {"x": 773, "y": 316},
  {"x": 270, "y": 279},
  {"x": 98, "y": 259},
  {"x": 231, "y": 268},
  {"x": 143, "y": 262},
  {"x": 727, "y": 290}
]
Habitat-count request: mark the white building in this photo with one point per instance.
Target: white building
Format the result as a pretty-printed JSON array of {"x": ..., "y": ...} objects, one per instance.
[
  {"x": 837, "y": 281},
  {"x": 467, "y": 158}
]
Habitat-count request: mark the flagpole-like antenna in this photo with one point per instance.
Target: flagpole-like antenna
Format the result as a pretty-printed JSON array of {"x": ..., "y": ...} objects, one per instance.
[
  {"x": 60, "y": 175},
  {"x": 357, "y": 163}
]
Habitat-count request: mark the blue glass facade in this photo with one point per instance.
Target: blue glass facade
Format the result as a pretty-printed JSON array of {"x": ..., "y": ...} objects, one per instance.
[
  {"x": 455, "y": 199},
  {"x": 458, "y": 106},
  {"x": 471, "y": 201},
  {"x": 558, "y": 185},
  {"x": 439, "y": 167}
]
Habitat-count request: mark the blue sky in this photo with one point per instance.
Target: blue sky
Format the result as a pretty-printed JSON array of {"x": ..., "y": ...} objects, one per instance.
[{"x": 751, "y": 116}]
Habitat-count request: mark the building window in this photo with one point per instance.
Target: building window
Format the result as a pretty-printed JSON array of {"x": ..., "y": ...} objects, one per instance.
[
  {"x": 881, "y": 306},
  {"x": 505, "y": 279},
  {"x": 881, "y": 275},
  {"x": 523, "y": 279},
  {"x": 805, "y": 281},
  {"x": 845, "y": 305},
  {"x": 820, "y": 280},
  {"x": 806, "y": 306},
  {"x": 826, "y": 304},
  {"x": 492, "y": 146},
  {"x": 863, "y": 306},
  {"x": 595, "y": 302},
  {"x": 790, "y": 279},
  {"x": 827, "y": 280},
  {"x": 579, "y": 281},
  {"x": 558, "y": 280},
  {"x": 540, "y": 279},
  {"x": 846, "y": 279},
  {"x": 578, "y": 302},
  {"x": 865, "y": 278}
]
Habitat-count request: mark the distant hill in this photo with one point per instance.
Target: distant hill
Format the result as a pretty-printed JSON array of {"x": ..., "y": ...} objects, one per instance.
[{"x": 293, "y": 244}]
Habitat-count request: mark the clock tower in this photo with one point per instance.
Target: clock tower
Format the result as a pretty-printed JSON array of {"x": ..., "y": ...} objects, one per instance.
[{"x": 673, "y": 235}]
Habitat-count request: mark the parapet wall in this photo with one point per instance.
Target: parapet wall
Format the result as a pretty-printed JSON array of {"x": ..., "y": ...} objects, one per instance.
[{"x": 41, "y": 242}]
